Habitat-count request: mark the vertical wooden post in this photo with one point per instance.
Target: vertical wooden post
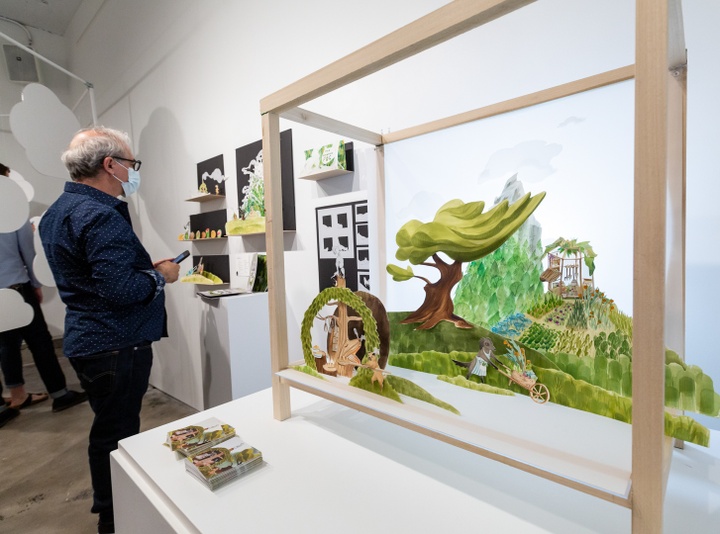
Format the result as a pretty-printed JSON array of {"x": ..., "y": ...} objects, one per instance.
[
  {"x": 657, "y": 136},
  {"x": 275, "y": 262},
  {"x": 381, "y": 283}
]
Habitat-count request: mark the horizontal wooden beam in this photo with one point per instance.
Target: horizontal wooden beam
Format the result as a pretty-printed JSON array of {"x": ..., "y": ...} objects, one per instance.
[
  {"x": 322, "y": 122},
  {"x": 546, "y": 95},
  {"x": 441, "y": 25}
]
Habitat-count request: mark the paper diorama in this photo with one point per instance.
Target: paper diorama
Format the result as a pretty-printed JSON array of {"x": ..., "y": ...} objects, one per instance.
[
  {"x": 523, "y": 319},
  {"x": 200, "y": 275},
  {"x": 211, "y": 176},
  {"x": 207, "y": 225},
  {"x": 250, "y": 217},
  {"x": 331, "y": 156}
]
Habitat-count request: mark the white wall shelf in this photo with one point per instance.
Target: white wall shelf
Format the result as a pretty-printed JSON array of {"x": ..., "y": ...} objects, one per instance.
[
  {"x": 206, "y": 197},
  {"x": 324, "y": 175}
]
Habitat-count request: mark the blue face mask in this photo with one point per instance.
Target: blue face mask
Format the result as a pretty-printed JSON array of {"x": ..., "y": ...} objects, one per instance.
[{"x": 133, "y": 183}]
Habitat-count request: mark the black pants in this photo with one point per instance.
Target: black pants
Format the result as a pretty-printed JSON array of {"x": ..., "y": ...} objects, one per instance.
[
  {"x": 39, "y": 341},
  {"x": 115, "y": 382}
]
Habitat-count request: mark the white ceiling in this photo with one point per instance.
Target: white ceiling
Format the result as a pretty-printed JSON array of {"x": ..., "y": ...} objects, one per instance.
[{"x": 53, "y": 16}]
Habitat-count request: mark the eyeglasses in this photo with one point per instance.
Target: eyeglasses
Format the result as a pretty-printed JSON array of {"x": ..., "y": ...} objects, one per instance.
[{"x": 135, "y": 162}]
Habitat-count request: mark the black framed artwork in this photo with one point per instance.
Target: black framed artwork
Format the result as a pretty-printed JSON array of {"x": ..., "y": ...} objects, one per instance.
[
  {"x": 251, "y": 185},
  {"x": 343, "y": 245},
  {"x": 211, "y": 176}
]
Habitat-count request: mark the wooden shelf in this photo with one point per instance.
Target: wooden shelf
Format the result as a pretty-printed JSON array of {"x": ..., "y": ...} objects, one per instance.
[
  {"x": 323, "y": 175},
  {"x": 206, "y": 197},
  {"x": 206, "y": 239}
]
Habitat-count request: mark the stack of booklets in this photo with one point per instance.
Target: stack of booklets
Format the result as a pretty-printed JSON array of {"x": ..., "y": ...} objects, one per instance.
[
  {"x": 223, "y": 462},
  {"x": 194, "y": 439}
]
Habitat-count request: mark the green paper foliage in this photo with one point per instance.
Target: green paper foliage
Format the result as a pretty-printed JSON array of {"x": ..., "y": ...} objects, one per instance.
[
  {"x": 612, "y": 345},
  {"x": 573, "y": 342},
  {"x": 502, "y": 283},
  {"x": 433, "y": 362},
  {"x": 688, "y": 388},
  {"x": 309, "y": 371},
  {"x": 394, "y": 386},
  {"x": 547, "y": 302},
  {"x": 399, "y": 274},
  {"x": 363, "y": 380},
  {"x": 462, "y": 231},
  {"x": 577, "y": 318},
  {"x": 584, "y": 396},
  {"x": 410, "y": 389},
  {"x": 539, "y": 337}
]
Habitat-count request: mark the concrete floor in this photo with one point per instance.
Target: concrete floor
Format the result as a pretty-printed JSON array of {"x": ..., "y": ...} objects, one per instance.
[{"x": 44, "y": 475}]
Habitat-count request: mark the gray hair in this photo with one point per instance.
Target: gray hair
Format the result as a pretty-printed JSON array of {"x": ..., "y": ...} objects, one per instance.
[{"x": 86, "y": 153}]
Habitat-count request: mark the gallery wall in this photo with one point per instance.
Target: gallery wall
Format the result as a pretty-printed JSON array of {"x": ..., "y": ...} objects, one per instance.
[
  {"x": 184, "y": 79},
  {"x": 46, "y": 188}
]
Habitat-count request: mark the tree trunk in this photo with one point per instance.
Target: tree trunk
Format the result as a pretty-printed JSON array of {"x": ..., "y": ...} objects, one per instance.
[{"x": 438, "y": 305}]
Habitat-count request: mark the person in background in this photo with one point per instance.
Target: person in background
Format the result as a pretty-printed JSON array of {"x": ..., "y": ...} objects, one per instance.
[
  {"x": 113, "y": 291},
  {"x": 16, "y": 272}
]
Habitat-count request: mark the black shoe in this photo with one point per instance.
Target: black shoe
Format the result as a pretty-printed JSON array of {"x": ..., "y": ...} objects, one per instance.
[
  {"x": 70, "y": 399},
  {"x": 7, "y": 414},
  {"x": 106, "y": 527}
]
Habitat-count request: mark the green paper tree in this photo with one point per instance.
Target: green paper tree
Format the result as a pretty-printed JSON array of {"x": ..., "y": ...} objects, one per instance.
[{"x": 462, "y": 232}]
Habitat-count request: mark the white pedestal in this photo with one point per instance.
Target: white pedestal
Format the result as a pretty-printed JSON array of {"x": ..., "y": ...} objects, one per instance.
[
  {"x": 330, "y": 469},
  {"x": 236, "y": 342}
]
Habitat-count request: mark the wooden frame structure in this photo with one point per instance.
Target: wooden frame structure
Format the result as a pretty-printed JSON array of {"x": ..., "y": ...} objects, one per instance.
[{"x": 659, "y": 183}]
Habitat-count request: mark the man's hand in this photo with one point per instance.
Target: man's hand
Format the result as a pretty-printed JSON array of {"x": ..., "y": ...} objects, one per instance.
[
  {"x": 38, "y": 294},
  {"x": 168, "y": 269}
]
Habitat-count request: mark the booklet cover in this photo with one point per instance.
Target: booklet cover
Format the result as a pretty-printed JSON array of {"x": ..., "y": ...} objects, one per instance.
[
  {"x": 194, "y": 439},
  {"x": 224, "y": 462}
]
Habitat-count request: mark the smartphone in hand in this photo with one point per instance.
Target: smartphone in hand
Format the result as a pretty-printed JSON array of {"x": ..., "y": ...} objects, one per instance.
[{"x": 182, "y": 256}]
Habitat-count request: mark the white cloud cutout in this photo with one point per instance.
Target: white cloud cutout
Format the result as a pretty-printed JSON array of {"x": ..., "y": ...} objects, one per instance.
[
  {"x": 571, "y": 120},
  {"x": 15, "y": 311},
  {"x": 41, "y": 267},
  {"x": 216, "y": 175},
  {"x": 16, "y": 208},
  {"x": 531, "y": 157},
  {"x": 43, "y": 126},
  {"x": 26, "y": 186}
]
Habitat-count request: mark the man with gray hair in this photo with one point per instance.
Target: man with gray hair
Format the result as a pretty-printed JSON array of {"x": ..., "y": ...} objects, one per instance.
[{"x": 113, "y": 291}]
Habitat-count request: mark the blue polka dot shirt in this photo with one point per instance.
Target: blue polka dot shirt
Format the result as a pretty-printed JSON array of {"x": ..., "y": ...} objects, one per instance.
[{"x": 104, "y": 275}]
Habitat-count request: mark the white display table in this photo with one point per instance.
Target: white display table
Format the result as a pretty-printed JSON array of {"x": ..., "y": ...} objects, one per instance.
[{"x": 332, "y": 469}]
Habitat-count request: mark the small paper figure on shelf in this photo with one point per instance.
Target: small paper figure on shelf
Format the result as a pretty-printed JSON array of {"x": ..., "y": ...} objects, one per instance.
[
  {"x": 339, "y": 261},
  {"x": 378, "y": 373},
  {"x": 186, "y": 234}
]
